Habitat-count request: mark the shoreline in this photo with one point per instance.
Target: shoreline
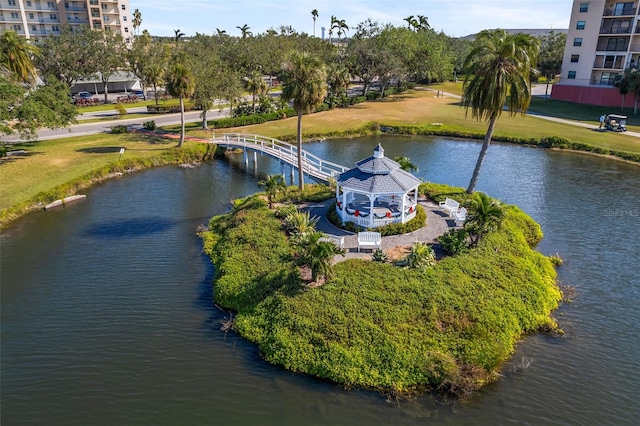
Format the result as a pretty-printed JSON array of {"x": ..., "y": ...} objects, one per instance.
[{"x": 12, "y": 213}]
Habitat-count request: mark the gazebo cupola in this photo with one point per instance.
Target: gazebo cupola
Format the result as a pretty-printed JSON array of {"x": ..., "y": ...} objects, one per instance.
[{"x": 376, "y": 192}]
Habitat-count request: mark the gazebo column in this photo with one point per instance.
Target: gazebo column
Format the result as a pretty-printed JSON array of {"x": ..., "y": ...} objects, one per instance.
[
  {"x": 404, "y": 206},
  {"x": 371, "y": 200}
]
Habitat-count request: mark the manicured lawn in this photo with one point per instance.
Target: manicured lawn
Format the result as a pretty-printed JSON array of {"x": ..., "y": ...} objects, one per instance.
[
  {"x": 55, "y": 162},
  {"x": 422, "y": 107}
]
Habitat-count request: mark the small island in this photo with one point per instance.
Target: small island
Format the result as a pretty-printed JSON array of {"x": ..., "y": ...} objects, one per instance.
[{"x": 374, "y": 324}]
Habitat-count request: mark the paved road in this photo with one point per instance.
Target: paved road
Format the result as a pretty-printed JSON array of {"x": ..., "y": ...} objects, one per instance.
[
  {"x": 102, "y": 127},
  {"x": 171, "y": 119}
]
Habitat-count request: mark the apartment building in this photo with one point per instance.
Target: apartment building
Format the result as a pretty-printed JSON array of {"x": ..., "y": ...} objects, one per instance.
[
  {"x": 36, "y": 19},
  {"x": 603, "y": 40}
]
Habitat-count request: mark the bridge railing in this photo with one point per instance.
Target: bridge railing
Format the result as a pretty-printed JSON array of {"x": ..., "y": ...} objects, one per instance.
[{"x": 312, "y": 164}]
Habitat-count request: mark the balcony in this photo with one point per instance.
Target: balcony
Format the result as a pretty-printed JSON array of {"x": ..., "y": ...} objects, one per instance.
[
  {"x": 620, "y": 12},
  {"x": 616, "y": 30}
]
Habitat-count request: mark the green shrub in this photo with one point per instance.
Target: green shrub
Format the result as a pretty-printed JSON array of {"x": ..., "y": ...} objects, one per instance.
[
  {"x": 121, "y": 109},
  {"x": 119, "y": 129},
  {"x": 376, "y": 326},
  {"x": 149, "y": 125},
  {"x": 379, "y": 256},
  {"x": 454, "y": 242}
]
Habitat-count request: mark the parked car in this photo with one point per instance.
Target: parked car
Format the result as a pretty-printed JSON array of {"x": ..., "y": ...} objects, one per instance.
[
  {"x": 82, "y": 96},
  {"x": 140, "y": 94}
]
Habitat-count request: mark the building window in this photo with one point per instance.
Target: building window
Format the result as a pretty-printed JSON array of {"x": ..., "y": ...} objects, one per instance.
[
  {"x": 124, "y": 18},
  {"x": 128, "y": 40},
  {"x": 575, "y": 58},
  {"x": 577, "y": 41},
  {"x": 584, "y": 7},
  {"x": 53, "y": 16},
  {"x": 34, "y": 28},
  {"x": 571, "y": 75},
  {"x": 32, "y": 16},
  {"x": 14, "y": 15},
  {"x": 55, "y": 28},
  {"x": 106, "y": 19},
  {"x": 29, "y": 3},
  {"x": 126, "y": 30},
  {"x": 12, "y": 2},
  {"x": 580, "y": 25},
  {"x": 124, "y": 7},
  {"x": 50, "y": 4},
  {"x": 17, "y": 28},
  {"x": 607, "y": 78}
]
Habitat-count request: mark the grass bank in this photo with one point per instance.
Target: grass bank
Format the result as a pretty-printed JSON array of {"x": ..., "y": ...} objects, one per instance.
[
  {"x": 53, "y": 169},
  {"x": 377, "y": 326},
  {"x": 421, "y": 112}
]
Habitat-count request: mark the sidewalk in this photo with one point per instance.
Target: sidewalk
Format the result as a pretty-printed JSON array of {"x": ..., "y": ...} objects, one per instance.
[{"x": 556, "y": 119}]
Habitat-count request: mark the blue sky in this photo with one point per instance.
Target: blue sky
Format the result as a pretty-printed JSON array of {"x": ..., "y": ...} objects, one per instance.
[{"x": 454, "y": 17}]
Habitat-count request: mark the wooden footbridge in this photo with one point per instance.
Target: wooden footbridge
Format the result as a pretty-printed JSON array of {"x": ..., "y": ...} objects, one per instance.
[{"x": 313, "y": 166}]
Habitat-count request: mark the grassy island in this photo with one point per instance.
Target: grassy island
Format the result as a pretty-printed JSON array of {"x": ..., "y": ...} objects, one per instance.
[{"x": 378, "y": 326}]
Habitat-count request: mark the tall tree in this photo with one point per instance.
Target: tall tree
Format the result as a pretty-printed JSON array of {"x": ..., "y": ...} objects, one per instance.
[
  {"x": 314, "y": 14},
  {"x": 623, "y": 83},
  {"x": 25, "y": 110},
  {"x": 338, "y": 79},
  {"x": 136, "y": 21},
  {"x": 423, "y": 23},
  {"x": 304, "y": 83},
  {"x": 180, "y": 83},
  {"x": 411, "y": 22},
  {"x": 178, "y": 35},
  {"x": 110, "y": 50},
  {"x": 69, "y": 56},
  {"x": 256, "y": 85},
  {"x": 244, "y": 30},
  {"x": 497, "y": 72},
  {"x": 17, "y": 55},
  {"x": 551, "y": 53}
]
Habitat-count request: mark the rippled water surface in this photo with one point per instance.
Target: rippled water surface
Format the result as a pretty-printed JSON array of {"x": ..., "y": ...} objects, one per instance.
[{"x": 107, "y": 315}]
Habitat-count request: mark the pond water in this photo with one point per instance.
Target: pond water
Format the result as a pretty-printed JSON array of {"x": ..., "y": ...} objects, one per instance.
[{"x": 107, "y": 315}]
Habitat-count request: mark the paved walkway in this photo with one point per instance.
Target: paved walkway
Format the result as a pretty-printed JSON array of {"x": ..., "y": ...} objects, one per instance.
[
  {"x": 556, "y": 119},
  {"x": 438, "y": 223}
]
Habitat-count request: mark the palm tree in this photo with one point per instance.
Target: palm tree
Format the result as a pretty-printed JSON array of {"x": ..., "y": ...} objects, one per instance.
[
  {"x": 342, "y": 27},
  {"x": 305, "y": 84},
  {"x": 220, "y": 32},
  {"x": 245, "y": 31},
  {"x": 423, "y": 23},
  {"x": 272, "y": 185},
  {"x": 411, "y": 22},
  {"x": 338, "y": 78},
  {"x": 180, "y": 83},
  {"x": 318, "y": 255},
  {"x": 154, "y": 77},
  {"x": 622, "y": 82},
  {"x": 178, "y": 35},
  {"x": 137, "y": 20},
  {"x": 314, "y": 14},
  {"x": 256, "y": 84},
  {"x": 406, "y": 164},
  {"x": 16, "y": 56},
  {"x": 334, "y": 25},
  {"x": 498, "y": 65},
  {"x": 484, "y": 215}
]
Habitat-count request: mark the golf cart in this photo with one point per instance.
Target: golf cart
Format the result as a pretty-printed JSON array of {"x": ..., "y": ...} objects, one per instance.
[{"x": 615, "y": 122}]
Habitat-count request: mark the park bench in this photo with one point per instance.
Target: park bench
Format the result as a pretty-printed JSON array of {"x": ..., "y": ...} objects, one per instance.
[
  {"x": 460, "y": 215},
  {"x": 449, "y": 205},
  {"x": 369, "y": 239},
  {"x": 335, "y": 239}
]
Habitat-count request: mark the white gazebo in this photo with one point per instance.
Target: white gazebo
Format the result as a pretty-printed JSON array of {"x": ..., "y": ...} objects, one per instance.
[{"x": 377, "y": 192}]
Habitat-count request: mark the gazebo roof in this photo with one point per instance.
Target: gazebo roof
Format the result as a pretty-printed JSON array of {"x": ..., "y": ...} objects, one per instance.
[{"x": 378, "y": 175}]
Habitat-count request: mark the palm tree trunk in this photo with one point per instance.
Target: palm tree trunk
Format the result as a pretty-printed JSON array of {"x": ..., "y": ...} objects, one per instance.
[
  {"x": 299, "y": 138},
  {"x": 483, "y": 152},
  {"x": 622, "y": 105},
  {"x": 181, "y": 122}
]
